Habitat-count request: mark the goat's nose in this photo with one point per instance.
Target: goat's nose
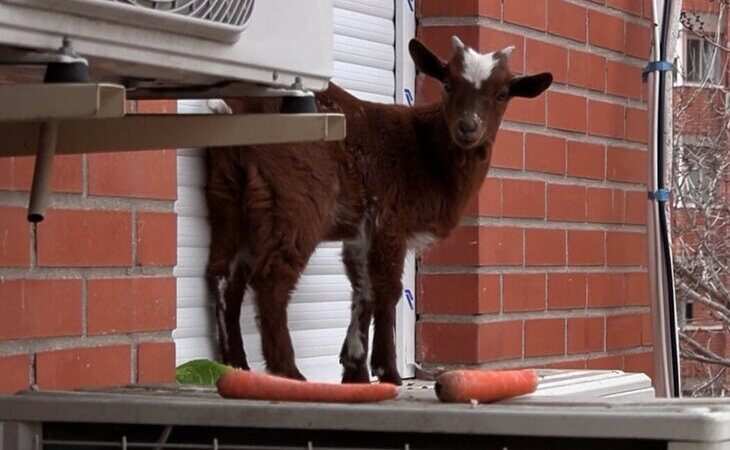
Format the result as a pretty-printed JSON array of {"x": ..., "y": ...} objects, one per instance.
[{"x": 467, "y": 125}]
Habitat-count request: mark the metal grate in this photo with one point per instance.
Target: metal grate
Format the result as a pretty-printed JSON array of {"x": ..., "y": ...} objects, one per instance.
[{"x": 229, "y": 12}]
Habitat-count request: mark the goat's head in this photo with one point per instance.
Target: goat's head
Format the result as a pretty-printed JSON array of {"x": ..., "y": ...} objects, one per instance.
[{"x": 477, "y": 88}]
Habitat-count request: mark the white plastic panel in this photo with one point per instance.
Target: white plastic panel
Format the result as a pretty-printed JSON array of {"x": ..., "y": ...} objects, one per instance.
[
  {"x": 284, "y": 40},
  {"x": 364, "y": 48}
]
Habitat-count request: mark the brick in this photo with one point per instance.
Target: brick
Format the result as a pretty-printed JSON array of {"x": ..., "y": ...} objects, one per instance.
[
  {"x": 613, "y": 362},
  {"x": 585, "y": 248},
  {"x": 16, "y": 173},
  {"x": 606, "y": 31},
  {"x": 637, "y": 289},
  {"x": 626, "y": 249},
  {"x": 436, "y": 342},
  {"x": 605, "y": 119},
  {"x": 545, "y": 154},
  {"x": 438, "y": 38},
  {"x": 566, "y": 112},
  {"x": 500, "y": 341},
  {"x": 623, "y": 331},
  {"x": 567, "y": 20},
  {"x": 146, "y": 174},
  {"x": 523, "y": 198},
  {"x": 156, "y": 239},
  {"x": 647, "y": 9},
  {"x": 461, "y": 247},
  {"x": 40, "y": 308},
  {"x": 501, "y": 245},
  {"x": 156, "y": 106},
  {"x": 458, "y": 294},
  {"x": 156, "y": 362},
  {"x": 508, "y": 150},
  {"x": 586, "y": 160},
  {"x": 544, "y": 247},
  {"x": 16, "y": 373},
  {"x": 640, "y": 363},
  {"x": 544, "y": 57},
  {"x": 647, "y": 333},
  {"x": 605, "y": 205},
  {"x": 528, "y": 13},
  {"x": 123, "y": 305},
  {"x": 623, "y": 80},
  {"x": 637, "y": 125},
  {"x": 544, "y": 337},
  {"x": 606, "y": 290},
  {"x": 566, "y": 203},
  {"x": 628, "y": 6},
  {"x": 586, "y": 334},
  {"x": 468, "y": 8},
  {"x": 76, "y": 238},
  {"x": 566, "y": 290},
  {"x": 638, "y": 40},
  {"x": 576, "y": 364},
  {"x": 491, "y": 40},
  {"x": 526, "y": 110},
  {"x": 84, "y": 367},
  {"x": 489, "y": 198},
  {"x": 523, "y": 292},
  {"x": 629, "y": 166},
  {"x": 15, "y": 242},
  {"x": 587, "y": 70},
  {"x": 636, "y": 205}
]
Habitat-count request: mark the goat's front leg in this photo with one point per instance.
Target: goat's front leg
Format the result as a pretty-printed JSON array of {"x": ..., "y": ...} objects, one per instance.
[{"x": 385, "y": 267}]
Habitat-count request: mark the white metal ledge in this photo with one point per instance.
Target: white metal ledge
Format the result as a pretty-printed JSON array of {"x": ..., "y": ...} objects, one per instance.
[
  {"x": 151, "y": 132},
  {"x": 60, "y": 101}
]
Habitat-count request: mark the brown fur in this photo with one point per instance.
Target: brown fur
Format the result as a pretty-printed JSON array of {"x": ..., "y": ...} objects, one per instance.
[{"x": 399, "y": 173}]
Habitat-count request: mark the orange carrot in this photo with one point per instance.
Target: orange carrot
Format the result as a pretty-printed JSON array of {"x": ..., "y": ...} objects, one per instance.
[
  {"x": 244, "y": 384},
  {"x": 462, "y": 386}
]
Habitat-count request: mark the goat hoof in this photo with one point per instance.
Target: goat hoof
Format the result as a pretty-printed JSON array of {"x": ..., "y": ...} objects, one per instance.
[
  {"x": 237, "y": 362},
  {"x": 358, "y": 374},
  {"x": 294, "y": 374},
  {"x": 388, "y": 376}
]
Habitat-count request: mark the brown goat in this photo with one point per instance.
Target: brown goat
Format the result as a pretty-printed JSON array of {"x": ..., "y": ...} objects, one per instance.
[{"x": 401, "y": 179}]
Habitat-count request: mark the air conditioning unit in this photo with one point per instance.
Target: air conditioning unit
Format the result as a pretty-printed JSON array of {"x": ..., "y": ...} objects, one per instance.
[{"x": 148, "y": 44}]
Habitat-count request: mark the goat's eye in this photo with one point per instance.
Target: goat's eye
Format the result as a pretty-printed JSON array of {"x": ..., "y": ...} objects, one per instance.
[
  {"x": 502, "y": 96},
  {"x": 447, "y": 86}
]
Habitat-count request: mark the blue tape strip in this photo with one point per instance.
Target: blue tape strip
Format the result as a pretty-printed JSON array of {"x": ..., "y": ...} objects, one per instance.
[
  {"x": 409, "y": 298},
  {"x": 655, "y": 66},
  {"x": 660, "y": 195}
]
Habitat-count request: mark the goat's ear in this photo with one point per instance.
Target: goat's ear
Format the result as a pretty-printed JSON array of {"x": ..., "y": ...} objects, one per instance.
[
  {"x": 530, "y": 86},
  {"x": 426, "y": 61}
]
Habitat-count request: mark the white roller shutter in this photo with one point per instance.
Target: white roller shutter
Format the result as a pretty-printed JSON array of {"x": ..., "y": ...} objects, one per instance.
[{"x": 365, "y": 64}]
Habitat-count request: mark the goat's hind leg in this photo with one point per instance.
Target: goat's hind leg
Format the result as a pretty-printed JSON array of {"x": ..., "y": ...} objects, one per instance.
[
  {"x": 353, "y": 356},
  {"x": 272, "y": 292},
  {"x": 229, "y": 290},
  {"x": 227, "y": 278}
]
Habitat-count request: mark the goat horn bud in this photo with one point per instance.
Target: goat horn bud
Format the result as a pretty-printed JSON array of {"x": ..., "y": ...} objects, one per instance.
[
  {"x": 456, "y": 43},
  {"x": 507, "y": 51}
]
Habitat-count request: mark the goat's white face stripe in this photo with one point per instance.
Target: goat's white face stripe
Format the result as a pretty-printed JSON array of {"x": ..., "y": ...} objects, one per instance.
[{"x": 478, "y": 67}]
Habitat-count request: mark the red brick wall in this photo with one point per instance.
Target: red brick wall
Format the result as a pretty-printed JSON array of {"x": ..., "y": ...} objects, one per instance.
[
  {"x": 87, "y": 297},
  {"x": 549, "y": 267}
]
